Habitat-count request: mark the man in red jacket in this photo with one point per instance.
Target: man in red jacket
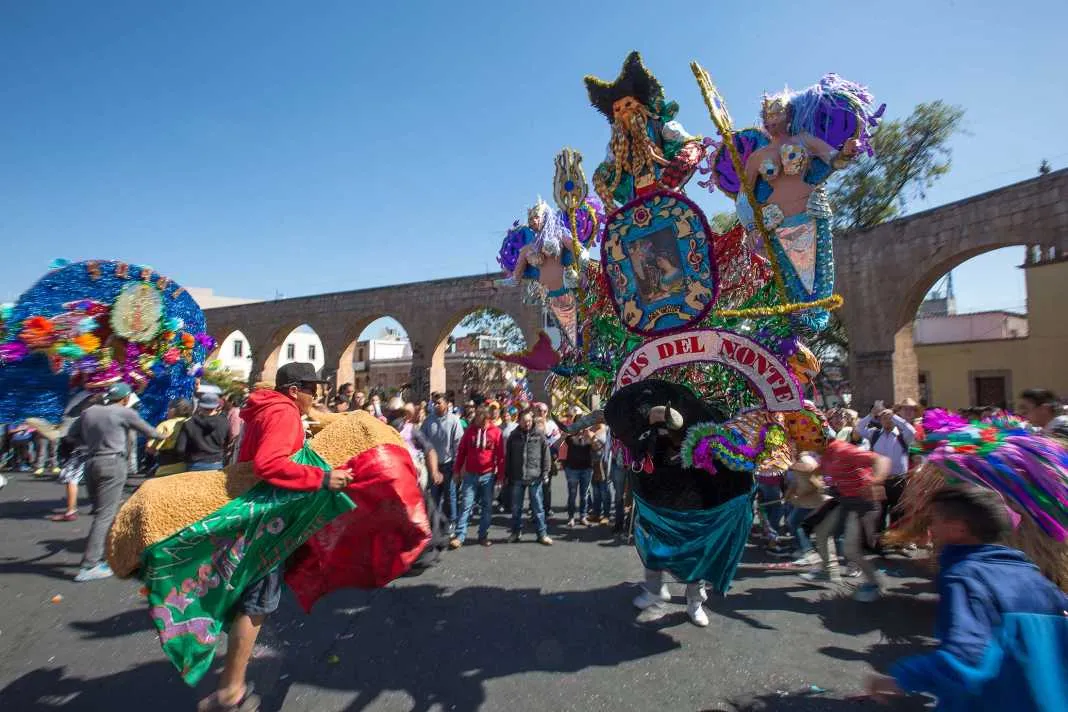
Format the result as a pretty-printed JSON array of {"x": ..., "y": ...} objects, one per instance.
[
  {"x": 479, "y": 462},
  {"x": 273, "y": 433}
]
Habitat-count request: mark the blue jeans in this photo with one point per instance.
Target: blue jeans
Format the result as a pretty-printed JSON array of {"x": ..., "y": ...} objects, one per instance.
[
  {"x": 602, "y": 499},
  {"x": 203, "y": 466},
  {"x": 578, "y": 485},
  {"x": 797, "y": 515},
  {"x": 773, "y": 513},
  {"x": 518, "y": 488},
  {"x": 483, "y": 484},
  {"x": 447, "y": 488}
]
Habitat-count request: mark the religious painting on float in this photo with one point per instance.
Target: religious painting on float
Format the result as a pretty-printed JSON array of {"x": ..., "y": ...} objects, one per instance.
[{"x": 659, "y": 264}]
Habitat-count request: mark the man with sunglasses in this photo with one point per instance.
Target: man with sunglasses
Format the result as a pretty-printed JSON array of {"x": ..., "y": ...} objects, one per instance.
[{"x": 273, "y": 433}]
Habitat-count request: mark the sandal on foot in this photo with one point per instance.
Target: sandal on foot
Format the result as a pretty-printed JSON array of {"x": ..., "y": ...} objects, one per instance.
[
  {"x": 65, "y": 517},
  {"x": 249, "y": 702}
]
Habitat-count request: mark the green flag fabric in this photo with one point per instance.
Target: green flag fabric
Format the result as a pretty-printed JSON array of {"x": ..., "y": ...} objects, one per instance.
[{"x": 195, "y": 577}]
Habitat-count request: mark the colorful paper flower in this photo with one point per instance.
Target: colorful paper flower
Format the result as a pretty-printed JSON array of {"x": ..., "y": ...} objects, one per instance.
[
  {"x": 38, "y": 332},
  {"x": 171, "y": 356},
  {"x": 13, "y": 351},
  {"x": 87, "y": 342}
]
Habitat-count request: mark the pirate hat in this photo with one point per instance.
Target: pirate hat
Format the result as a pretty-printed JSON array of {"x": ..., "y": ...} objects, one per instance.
[{"x": 633, "y": 80}]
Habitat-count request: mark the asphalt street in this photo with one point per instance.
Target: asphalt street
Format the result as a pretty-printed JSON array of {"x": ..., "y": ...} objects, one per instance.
[{"x": 510, "y": 627}]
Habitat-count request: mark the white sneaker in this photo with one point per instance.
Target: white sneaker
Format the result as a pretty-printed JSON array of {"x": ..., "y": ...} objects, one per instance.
[
  {"x": 95, "y": 573},
  {"x": 697, "y": 614},
  {"x": 867, "y": 593},
  {"x": 808, "y": 559},
  {"x": 653, "y": 613},
  {"x": 647, "y": 598}
]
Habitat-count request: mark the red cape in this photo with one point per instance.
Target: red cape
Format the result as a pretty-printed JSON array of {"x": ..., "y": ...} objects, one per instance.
[{"x": 373, "y": 544}]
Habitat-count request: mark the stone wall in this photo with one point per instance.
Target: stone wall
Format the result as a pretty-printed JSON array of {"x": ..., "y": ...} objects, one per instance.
[{"x": 885, "y": 272}]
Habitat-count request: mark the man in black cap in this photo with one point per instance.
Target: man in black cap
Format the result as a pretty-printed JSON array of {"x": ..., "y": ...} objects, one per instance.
[
  {"x": 103, "y": 430},
  {"x": 273, "y": 433}
]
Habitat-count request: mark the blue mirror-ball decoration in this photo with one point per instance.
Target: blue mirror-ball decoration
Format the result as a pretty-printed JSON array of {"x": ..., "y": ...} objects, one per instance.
[{"x": 30, "y": 388}]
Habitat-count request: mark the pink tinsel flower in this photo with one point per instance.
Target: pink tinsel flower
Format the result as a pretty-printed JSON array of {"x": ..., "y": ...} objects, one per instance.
[
  {"x": 171, "y": 356},
  {"x": 938, "y": 420},
  {"x": 207, "y": 341},
  {"x": 13, "y": 351}
]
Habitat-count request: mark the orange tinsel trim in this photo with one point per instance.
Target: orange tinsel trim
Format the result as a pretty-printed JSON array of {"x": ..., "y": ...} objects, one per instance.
[{"x": 188, "y": 340}]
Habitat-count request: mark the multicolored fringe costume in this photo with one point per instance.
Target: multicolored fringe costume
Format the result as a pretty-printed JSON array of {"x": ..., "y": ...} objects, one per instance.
[{"x": 1028, "y": 470}]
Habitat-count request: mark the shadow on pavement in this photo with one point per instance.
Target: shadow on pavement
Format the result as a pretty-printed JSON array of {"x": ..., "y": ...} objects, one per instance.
[
  {"x": 436, "y": 645},
  {"x": 32, "y": 509},
  {"x": 37, "y": 566},
  {"x": 154, "y": 686},
  {"x": 806, "y": 701},
  {"x": 116, "y": 626}
]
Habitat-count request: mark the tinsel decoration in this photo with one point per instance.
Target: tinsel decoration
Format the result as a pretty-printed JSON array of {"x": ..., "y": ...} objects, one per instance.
[
  {"x": 38, "y": 380},
  {"x": 1027, "y": 469},
  {"x": 706, "y": 443}
]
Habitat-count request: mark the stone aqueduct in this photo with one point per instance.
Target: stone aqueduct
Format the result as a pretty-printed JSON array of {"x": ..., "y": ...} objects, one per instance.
[{"x": 883, "y": 273}]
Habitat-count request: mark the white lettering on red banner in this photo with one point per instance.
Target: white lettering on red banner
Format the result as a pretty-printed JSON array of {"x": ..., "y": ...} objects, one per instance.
[{"x": 760, "y": 367}]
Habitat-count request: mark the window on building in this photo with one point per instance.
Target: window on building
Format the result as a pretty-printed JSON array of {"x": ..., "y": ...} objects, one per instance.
[
  {"x": 291, "y": 352},
  {"x": 311, "y": 352},
  {"x": 359, "y": 354},
  {"x": 239, "y": 348}
]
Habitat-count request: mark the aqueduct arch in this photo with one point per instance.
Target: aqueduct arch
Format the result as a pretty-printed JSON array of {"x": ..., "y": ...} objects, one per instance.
[
  {"x": 427, "y": 310},
  {"x": 884, "y": 273}
]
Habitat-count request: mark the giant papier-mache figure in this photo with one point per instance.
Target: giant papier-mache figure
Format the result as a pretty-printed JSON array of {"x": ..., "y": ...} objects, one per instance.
[
  {"x": 649, "y": 150},
  {"x": 776, "y": 175},
  {"x": 695, "y": 338}
]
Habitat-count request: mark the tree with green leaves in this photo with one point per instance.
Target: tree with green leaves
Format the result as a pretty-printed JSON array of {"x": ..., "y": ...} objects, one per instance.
[
  {"x": 495, "y": 323},
  {"x": 227, "y": 381},
  {"x": 911, "y": 154}
]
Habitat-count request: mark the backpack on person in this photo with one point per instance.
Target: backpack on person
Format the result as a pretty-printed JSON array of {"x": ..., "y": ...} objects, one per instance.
[{"x": 879, "y": 432}]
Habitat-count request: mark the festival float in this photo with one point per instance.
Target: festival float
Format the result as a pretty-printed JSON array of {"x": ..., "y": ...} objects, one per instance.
[
  {"x": 694, "y": 340},
  {"x": 89, "y": 325}
]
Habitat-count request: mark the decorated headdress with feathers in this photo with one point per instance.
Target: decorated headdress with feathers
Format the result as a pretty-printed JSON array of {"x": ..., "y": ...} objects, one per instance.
[{"x": 1028, "y": 470}]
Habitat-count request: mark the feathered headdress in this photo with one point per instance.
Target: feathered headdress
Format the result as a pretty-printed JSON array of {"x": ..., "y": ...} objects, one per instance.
[
  {"x": 633, "y": 80},
  {"x": 1027, "y": 469}
]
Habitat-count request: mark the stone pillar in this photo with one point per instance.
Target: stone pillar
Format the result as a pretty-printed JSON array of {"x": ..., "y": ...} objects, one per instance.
[
  {"x": 890, "y": 374},
  {"x": 536, "y": 380},
  {"x": 345, "y": 371}
]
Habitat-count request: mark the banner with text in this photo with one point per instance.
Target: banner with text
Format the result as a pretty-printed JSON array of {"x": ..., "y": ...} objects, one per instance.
[{"x": 768, "y": 374}]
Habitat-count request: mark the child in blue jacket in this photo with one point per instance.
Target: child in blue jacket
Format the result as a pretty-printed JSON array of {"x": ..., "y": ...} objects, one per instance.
[{"x": 1002, "y": 626}]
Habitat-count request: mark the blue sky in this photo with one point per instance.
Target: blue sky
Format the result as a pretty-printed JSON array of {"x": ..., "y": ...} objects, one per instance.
[{"x": 296, "y": 148}]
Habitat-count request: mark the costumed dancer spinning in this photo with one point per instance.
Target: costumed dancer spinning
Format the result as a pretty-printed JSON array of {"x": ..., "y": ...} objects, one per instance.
[
  {"x": 805, "y": 137},
  {"x": 690, "y": 522}
]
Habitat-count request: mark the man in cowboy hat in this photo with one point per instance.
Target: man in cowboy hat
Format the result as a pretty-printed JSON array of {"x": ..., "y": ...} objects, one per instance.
[{"x": 648, "y": 150}]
